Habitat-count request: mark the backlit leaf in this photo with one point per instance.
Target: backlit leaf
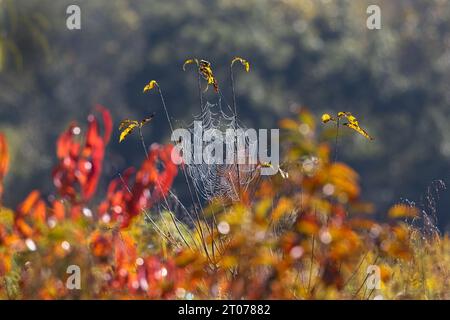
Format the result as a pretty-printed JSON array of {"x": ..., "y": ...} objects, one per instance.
[
  {"x": 189, "y": 61},
  {"x": 243, "y": 62},
  {"x": 128, "y": 126},
  {"x": 352, "y": 122},
  {"x": 403, "y": 211},
  {"x": 152, "y": 84},
  {"x": 128, "y": 130},
  {"x": 205, "y": 70},
  {"x": 326, "y": 117},
  {"x": 125, "y": 123},
  {"x": 358, "y": 129}
]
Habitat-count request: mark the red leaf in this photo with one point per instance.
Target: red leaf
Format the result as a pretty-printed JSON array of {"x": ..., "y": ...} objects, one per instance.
[
  {"x": 107, "y": 122},
  {"x": 66, "y": 146},
  {"x": 79, "y": 169}
]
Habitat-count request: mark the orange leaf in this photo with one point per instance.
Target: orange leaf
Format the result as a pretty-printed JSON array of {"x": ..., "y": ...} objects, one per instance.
[
  {"x": 23, "y": 228},
  {"x": 58, "y": 210},
  {"x": 403, "y": 211},
  {"x": 4, "y": 160},
  {"x": 39, "y": 213},
  {"x": 26, "y": 206}
]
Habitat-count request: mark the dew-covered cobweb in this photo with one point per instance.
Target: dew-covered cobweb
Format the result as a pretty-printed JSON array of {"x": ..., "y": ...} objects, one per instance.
[{"x": 223, "y": 180}]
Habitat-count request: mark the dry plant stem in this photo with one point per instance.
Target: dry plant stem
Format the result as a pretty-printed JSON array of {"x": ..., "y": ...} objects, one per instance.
[
  {"x": 210, "y": 229},
  {"x": 164, "y": 196},
  {"x": 8, "y": 294},
  {"x": 146, "y": 214},
  {"x": 235, "y": 126},
  {"x": 186, "y": 178},
  {"x": 190, "y": 217},
  {"x": 365, "y": 279},
  {"x": 423, "y": 275},
  {"x": 370, "y": 293},
  {"x": 356, "y": 270},
  {"x": 312, "y": 257},
  {"x": 200, "y": 95},
  {"x": 141, "y": 137},
  {"x": 336, "y": 143},
  {"x": 311, "y": 264}
]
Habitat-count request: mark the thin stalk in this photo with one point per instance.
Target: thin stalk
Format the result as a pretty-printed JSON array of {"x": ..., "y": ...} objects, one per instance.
[
  {"x": 145, "y": 212},
  {"x": 185, "y": 175},
  {"x": 148, "y": 216},
  {"x": 210, "y": 229},
  {"x": 365, "y": 279},
  {"x": 312, "y": 258},
  {"x": 311, "y": 264},
  {"x": 141, "y": 137},
  {"x": 336, "y": 144},
  {"x": 200, "y": 94},
  {"x": 235, "y": 126},
  {"x": 164, "y": 196},
  {"x": 188, "y": 214},
  {"x": 370, "y": 293},
  {"x": 356, "y": 270}
]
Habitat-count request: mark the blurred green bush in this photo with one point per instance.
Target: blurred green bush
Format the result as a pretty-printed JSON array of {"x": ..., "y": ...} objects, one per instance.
[{"x": 314, "y": 53}]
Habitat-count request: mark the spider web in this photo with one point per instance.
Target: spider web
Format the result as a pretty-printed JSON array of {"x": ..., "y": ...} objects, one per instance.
[{"x": 224, "y": 180}]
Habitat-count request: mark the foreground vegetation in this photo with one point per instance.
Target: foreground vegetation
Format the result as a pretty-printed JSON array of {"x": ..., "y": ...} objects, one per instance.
[
  {"x": 301, "y": 235},
  {"x": 317, "y": 53}
]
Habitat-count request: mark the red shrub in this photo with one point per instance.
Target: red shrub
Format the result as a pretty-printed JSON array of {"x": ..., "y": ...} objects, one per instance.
[
  {"x": 80, "y": 167},
  {"x": 151, "y": 185}
]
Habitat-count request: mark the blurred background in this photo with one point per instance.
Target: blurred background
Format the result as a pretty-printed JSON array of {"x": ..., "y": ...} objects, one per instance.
[{"x": 314, "y": 53}]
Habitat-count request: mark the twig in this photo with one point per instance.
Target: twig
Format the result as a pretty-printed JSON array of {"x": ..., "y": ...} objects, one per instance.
[
  {"x": 336, "y": 147},
  {"x": 235, "y": 126}
]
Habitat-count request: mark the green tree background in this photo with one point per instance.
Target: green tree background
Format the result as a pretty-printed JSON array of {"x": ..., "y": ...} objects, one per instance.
[{"x": 315, "y": 53}]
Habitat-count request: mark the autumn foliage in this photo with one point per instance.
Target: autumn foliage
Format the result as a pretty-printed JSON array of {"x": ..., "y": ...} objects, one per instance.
[
  {"x": 4, "y": 160},
  {"x": 308, "y": 236}
]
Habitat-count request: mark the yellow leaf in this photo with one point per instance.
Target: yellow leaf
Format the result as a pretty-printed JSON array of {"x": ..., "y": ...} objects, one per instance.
[
  {"x": 185, "y": 258},
  {"x": 263, "y": 207},
  {"x": 352, "y": 122},
  {"x": 189, "y": 61},
  {"x": 243, "y": 62},
  {"x": 283, "y": 207},
  {"x": 128, "y": 130},
  {"x": 150, "y": 85},
  {"x": 358, "y": 129},
  {"x": 326, "y": 117},
  {"x": 228, "y": 262},
  {"x": 125, "y": 123},
  {"x": 288, "y": 124},
  {"x": 266, "y": 165},
  {"x": 128, "y": 126},
  {"x": 307, "y": 227},
  {"x": 205, "y": 70},
  {"x": 403, "y": 211}
]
